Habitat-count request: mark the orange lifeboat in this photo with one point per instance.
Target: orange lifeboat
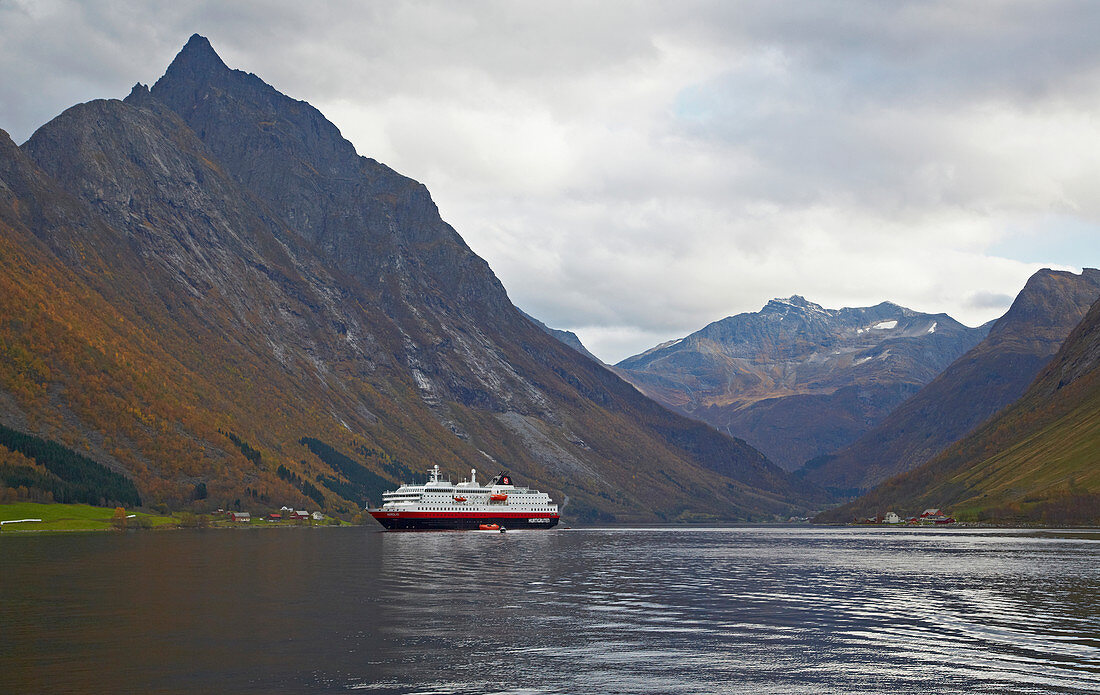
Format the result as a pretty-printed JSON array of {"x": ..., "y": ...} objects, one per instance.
[
  {"x": 489, "y": 527},
  {"x": 459, "y": 499},
  {"x": 498, "y": 498}
]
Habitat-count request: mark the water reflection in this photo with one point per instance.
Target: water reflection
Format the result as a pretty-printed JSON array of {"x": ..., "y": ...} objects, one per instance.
[{"x": 761, "y": 610}]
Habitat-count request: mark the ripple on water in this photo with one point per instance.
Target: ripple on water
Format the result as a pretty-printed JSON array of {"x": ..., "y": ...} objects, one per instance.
[{"x": 743, "y": 610}]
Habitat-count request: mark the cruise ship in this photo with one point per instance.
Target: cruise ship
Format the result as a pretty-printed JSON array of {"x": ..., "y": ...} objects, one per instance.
[{"x": 442, "y": 505}]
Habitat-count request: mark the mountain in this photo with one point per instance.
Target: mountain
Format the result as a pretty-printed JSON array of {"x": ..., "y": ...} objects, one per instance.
[
  {"x": 1035, "y": 461},
  {"x": 567, "y": 337},
  {"x": 796, "y": 380},
  {"x": 205, "y": 288},
  {"x": 987, "y": 378}
]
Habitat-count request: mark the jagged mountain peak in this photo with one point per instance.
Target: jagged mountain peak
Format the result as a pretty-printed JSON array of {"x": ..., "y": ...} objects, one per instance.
[
  {"x": 197, "y": 57},
  {"x": 795, "y": 302},
  {"x": 369, "y": 220},
  {"x": 197, "y": 69},
  {"x": 139, "y": 92},
  {"x": 798, "y": 307},
  {"x": 794, "y": 299}
]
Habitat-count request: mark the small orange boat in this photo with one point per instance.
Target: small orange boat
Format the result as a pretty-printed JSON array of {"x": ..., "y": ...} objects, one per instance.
[
  {"x": 459, "y": 499},
  {"x": 489, "y": 527},
  {"x": 498, "y": 498}
]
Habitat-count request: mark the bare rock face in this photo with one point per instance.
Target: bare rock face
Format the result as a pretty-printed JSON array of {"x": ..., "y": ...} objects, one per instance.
[
  {"x": 797, "y": 380},
  {"x": 228, "y": 298},
  {"x": 377, "y": 227},
  {"x": 145, "y": 172},
  {"x": 373, "y": 222}
]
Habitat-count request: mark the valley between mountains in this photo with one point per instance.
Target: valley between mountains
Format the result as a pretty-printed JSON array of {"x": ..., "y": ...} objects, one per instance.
[
  {"x": 208, "y": 299},
  {"x": 868, "y": 402}
]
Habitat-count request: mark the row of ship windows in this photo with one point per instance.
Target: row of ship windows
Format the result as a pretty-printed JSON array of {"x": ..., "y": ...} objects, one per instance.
[
  {"x": 464, "y": 492},
  {"x": 447, "y": 493},
  {"x": 416, "y": 497},
  {"x": 526, "y": 511}
]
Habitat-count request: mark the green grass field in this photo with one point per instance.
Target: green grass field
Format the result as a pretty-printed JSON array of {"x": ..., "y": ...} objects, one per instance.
[{"x": 70, "y": 517}]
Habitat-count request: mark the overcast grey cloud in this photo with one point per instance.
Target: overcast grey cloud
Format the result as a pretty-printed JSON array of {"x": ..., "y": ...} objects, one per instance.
[{"x": 635, "y": 170}]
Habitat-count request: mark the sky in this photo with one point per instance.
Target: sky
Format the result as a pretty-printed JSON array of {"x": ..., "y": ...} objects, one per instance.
[{"x": 633, "y": 171}]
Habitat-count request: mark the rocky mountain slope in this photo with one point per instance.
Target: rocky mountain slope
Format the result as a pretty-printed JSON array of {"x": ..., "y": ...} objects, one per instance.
[
  {"x": 797, "y": 380},
  {"x": 206, "y": 288},
  {"x": 1035, "y": 461},
  {"x": 567, "y": 337},
  {"x": 987, "y": 378}
]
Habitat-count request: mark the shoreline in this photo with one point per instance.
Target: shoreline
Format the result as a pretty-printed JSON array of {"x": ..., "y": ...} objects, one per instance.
[{"x": 23, "y": 518}]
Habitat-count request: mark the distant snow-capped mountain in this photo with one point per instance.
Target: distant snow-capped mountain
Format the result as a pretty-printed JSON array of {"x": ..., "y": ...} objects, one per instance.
[{"x": 798, "y": 380}]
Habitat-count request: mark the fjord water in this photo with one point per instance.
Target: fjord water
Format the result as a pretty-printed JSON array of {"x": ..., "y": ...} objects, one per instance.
[{"x": 727, "y": 610}]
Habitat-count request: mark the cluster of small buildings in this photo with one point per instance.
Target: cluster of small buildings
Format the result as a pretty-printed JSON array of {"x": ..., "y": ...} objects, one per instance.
[
  {"x": 287, "y": 513},
  {"x": 929, "y": 516}
]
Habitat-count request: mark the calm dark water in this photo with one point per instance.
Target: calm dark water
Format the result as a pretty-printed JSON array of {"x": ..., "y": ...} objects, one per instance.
[{"x": 735, "y": 610}]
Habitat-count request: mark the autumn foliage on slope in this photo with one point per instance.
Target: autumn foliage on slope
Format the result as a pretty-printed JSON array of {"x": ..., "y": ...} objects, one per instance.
[{"x": 207, "y": 289}]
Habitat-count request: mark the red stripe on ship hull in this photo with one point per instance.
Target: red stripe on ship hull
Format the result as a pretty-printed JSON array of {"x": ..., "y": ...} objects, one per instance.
[
  {"x": 447, "y": 521},
  {"x": 463, "y": 515}
]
